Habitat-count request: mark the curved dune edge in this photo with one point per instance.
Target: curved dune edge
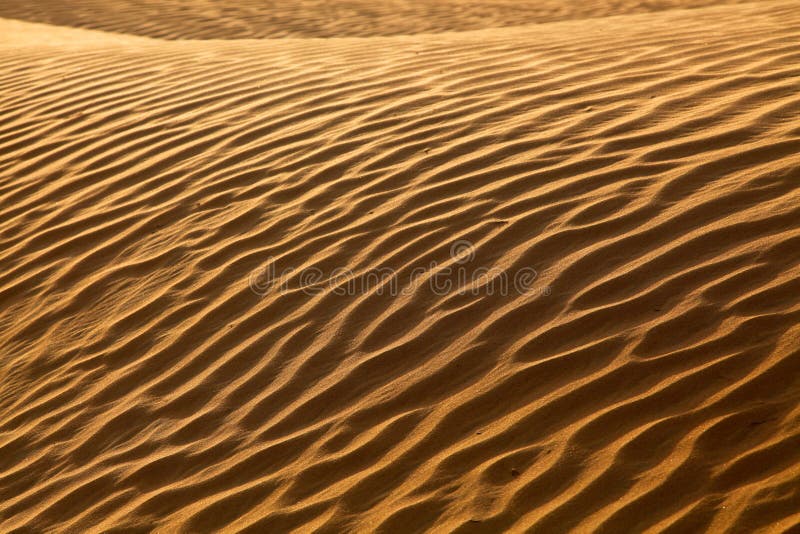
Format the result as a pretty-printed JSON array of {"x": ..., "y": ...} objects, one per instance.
[
  {"x": 647, "y": 167},
  {"x": 20, "y": 34}
]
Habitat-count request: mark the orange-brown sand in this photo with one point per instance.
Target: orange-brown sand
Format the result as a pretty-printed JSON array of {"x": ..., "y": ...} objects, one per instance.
[{"x": 238, "y": 253}]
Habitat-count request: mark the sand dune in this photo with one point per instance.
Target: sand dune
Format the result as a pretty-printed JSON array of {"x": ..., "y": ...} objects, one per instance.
[
  {"x": 243, "y": 19},
  {"x": 642, "y": 170}
]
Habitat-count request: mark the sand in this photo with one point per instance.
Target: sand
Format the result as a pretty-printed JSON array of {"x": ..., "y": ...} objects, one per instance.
[{"x": 198, "y": 198}]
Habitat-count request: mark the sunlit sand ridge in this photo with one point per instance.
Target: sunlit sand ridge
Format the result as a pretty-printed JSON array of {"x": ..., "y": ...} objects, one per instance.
[{"x": 160, "y": 175}]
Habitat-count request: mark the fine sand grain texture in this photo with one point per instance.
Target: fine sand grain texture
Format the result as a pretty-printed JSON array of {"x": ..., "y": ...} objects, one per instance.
[{"x": 188, "y": 216}]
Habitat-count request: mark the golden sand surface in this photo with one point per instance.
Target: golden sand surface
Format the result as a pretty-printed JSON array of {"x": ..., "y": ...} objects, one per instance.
[{"x": 199, "y": 200}]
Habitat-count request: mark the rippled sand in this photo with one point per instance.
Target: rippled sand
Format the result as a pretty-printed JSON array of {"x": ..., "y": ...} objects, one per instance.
[{"x": 183, "y": 184}]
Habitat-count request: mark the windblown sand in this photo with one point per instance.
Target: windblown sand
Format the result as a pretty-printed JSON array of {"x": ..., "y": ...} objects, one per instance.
[{"x": 638, "y": 160}]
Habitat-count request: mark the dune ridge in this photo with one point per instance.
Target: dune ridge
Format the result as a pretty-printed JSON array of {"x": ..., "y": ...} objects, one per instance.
[{"x": 647, "y": 166}]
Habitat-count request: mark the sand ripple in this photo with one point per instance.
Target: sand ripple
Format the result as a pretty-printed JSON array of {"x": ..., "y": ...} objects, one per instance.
[
  {"x": 647, "y": 168},
  {"x": 248, "y": 19}
]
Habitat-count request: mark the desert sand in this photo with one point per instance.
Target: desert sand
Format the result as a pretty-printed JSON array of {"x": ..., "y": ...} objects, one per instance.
[{"x": 192, "y": 193}]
